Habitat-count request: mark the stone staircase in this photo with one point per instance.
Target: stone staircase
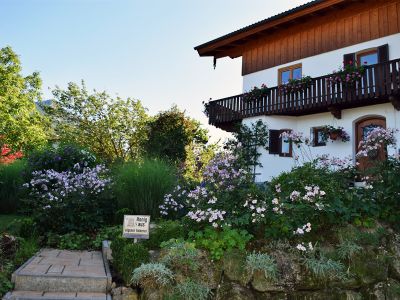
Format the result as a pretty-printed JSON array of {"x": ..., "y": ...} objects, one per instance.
[{"x": 61, "y": 274}]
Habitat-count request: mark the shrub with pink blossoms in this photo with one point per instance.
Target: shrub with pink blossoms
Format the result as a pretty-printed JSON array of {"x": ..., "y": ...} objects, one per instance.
[
  {"x": 70, "y": 200},
  {"x": 219, "y": 199}
]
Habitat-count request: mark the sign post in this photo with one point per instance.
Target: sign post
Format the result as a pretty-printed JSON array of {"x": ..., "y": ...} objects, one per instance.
[{"x": 136, "y": 227}]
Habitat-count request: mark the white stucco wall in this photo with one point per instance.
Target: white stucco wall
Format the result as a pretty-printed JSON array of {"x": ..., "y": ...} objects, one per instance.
[
  {"x": 315, "y": 66},
  {"x": 273, "y": 165},
  {"x": 321, "y": 64}
]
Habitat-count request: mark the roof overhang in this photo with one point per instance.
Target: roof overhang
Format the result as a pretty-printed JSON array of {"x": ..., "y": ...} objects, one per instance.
[{"x": 232, "y": 44}]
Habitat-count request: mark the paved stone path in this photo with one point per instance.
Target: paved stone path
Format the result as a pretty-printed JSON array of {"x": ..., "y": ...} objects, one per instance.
[{"x": 62, "y": 274}]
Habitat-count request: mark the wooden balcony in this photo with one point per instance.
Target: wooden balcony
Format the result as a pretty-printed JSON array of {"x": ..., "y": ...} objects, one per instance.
[{"x": 380, "y": 83}]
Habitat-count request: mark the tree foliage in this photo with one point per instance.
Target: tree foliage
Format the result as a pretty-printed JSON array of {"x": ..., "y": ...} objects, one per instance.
[
  {"x": 170, "y": 132},
  {"x": 113, "y": 128},
  {"x": 21, "y": 125}
]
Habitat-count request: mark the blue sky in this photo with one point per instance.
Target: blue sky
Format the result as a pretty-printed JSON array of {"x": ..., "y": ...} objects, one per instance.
[{"x": 131, "y": 48}]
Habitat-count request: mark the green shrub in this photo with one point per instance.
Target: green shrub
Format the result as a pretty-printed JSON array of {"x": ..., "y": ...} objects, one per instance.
[
  {"x": 385, "y": 187},
  {"x": 6, "y": 269},
  {"x": 180, "y": 255},
  {"x": 25, "y": 227},
  {"x": 152, "y": 275},
  {"x": 217, "y": 242},
  {"x": 60, "y": 159},
  {"x": 26, "y": 249},
  {"x": 262, "y": 262},
  {"x": 75, "y": 241},
  {"x": 141, "y": 186},
  {"x": 127, "y": 256},
  {"x": 106, "y": 233},
  {"x": 165, "y": 231},
  {"x": 11, "y": 180},
  {"x": 191, "y": 290}
]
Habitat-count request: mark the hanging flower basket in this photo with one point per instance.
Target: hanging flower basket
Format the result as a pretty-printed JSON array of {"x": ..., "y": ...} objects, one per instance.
[{"x": 335, "y": 133}]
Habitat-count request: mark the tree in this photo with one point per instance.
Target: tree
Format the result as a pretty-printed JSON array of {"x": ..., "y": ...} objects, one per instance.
[
  {"x": 171, "y": 132},
  {"x": 22, "y": 127},
  {"x": 113, "y": 128}
]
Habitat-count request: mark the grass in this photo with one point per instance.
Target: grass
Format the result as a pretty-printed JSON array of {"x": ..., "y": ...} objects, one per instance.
[
  {"x": 141, "y": 186},
  {"x": 6, "y": 220},
  {"x": 11, "y": 181}
]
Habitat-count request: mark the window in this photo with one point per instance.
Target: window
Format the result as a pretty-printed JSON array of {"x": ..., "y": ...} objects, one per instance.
[
  {"x": 279, "y": 145},
  {"x": 318, "y": 136},
  {"x": 291, "y": 72},
  {"x": 367, "y": 58}
]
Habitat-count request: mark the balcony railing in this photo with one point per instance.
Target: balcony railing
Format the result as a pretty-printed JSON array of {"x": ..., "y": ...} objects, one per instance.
[{"x": 378, "y": 83}]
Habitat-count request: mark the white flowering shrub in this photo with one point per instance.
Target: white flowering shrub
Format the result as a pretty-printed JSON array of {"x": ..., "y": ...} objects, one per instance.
[{"x": 70, "y": 200}]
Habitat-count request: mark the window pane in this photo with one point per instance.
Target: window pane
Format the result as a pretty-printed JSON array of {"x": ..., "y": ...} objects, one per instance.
[
  {"x": 320, "y": 137},
  {"x": 285, "y": 76},
  {"x": 285, "y": 146},
  {"x": 297, "y": 73},
  {"x": 368, "y": 59}
]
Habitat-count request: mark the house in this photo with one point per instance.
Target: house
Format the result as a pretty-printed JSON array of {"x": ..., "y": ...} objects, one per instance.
[{"x": 314, "y": 40}]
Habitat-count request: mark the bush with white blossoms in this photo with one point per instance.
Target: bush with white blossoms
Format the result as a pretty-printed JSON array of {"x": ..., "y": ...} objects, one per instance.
[
  {"x": 375, "y": 140},
  {"x": 70, "y": 200}
]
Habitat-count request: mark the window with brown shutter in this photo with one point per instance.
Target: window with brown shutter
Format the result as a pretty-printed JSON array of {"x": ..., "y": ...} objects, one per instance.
[
  {"x": 383, "y": 53},
  {"x": 274, "y": 142},
  {"x": 349, "y": 59},
  {"x": 317, "y": 134}
]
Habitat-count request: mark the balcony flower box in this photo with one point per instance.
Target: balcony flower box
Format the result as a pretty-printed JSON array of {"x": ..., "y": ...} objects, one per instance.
[
  {"x": 348, "y": 76},
  {"x": 256, "y": 93},
  {"x": 296, "y": 85}
]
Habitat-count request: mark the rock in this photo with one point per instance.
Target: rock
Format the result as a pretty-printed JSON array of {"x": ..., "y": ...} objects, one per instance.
[
  {"x": 234, "y": 267},
  {"x": 233, "y": 291},
  {"x": 210, "y": 272},
  {"x": 154, "y": 255},
  {"x": 324, "y": 294},
  {"x": 369, "y": 267},
  {"x": 394, "y": 266},
  {"x": 152, "y": 294},
  {"x": 106, "y": 250},
  {"x": 384, "y": 290},
  {"x": 116, "y": 291},
  {"x": 263, "y": 284}
]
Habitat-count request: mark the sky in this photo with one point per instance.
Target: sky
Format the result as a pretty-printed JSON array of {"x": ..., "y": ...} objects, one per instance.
[{"x": 131, "y": 48}]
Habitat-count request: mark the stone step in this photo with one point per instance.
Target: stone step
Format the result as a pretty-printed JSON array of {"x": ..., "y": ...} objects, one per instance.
[
  {"x": 35, "y": 295},
  {"x": 64, "y": 271}
]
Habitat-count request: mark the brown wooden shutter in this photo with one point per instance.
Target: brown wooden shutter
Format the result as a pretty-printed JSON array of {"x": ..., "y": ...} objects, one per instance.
[
  {"x": 349, "y": 59},
  {"x": 274, "y": 142},
  {"x": 383, "y": 53}
]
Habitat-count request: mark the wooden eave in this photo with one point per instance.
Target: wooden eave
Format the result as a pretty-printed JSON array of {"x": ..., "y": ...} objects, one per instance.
[{"x": 233, "y": 43}]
